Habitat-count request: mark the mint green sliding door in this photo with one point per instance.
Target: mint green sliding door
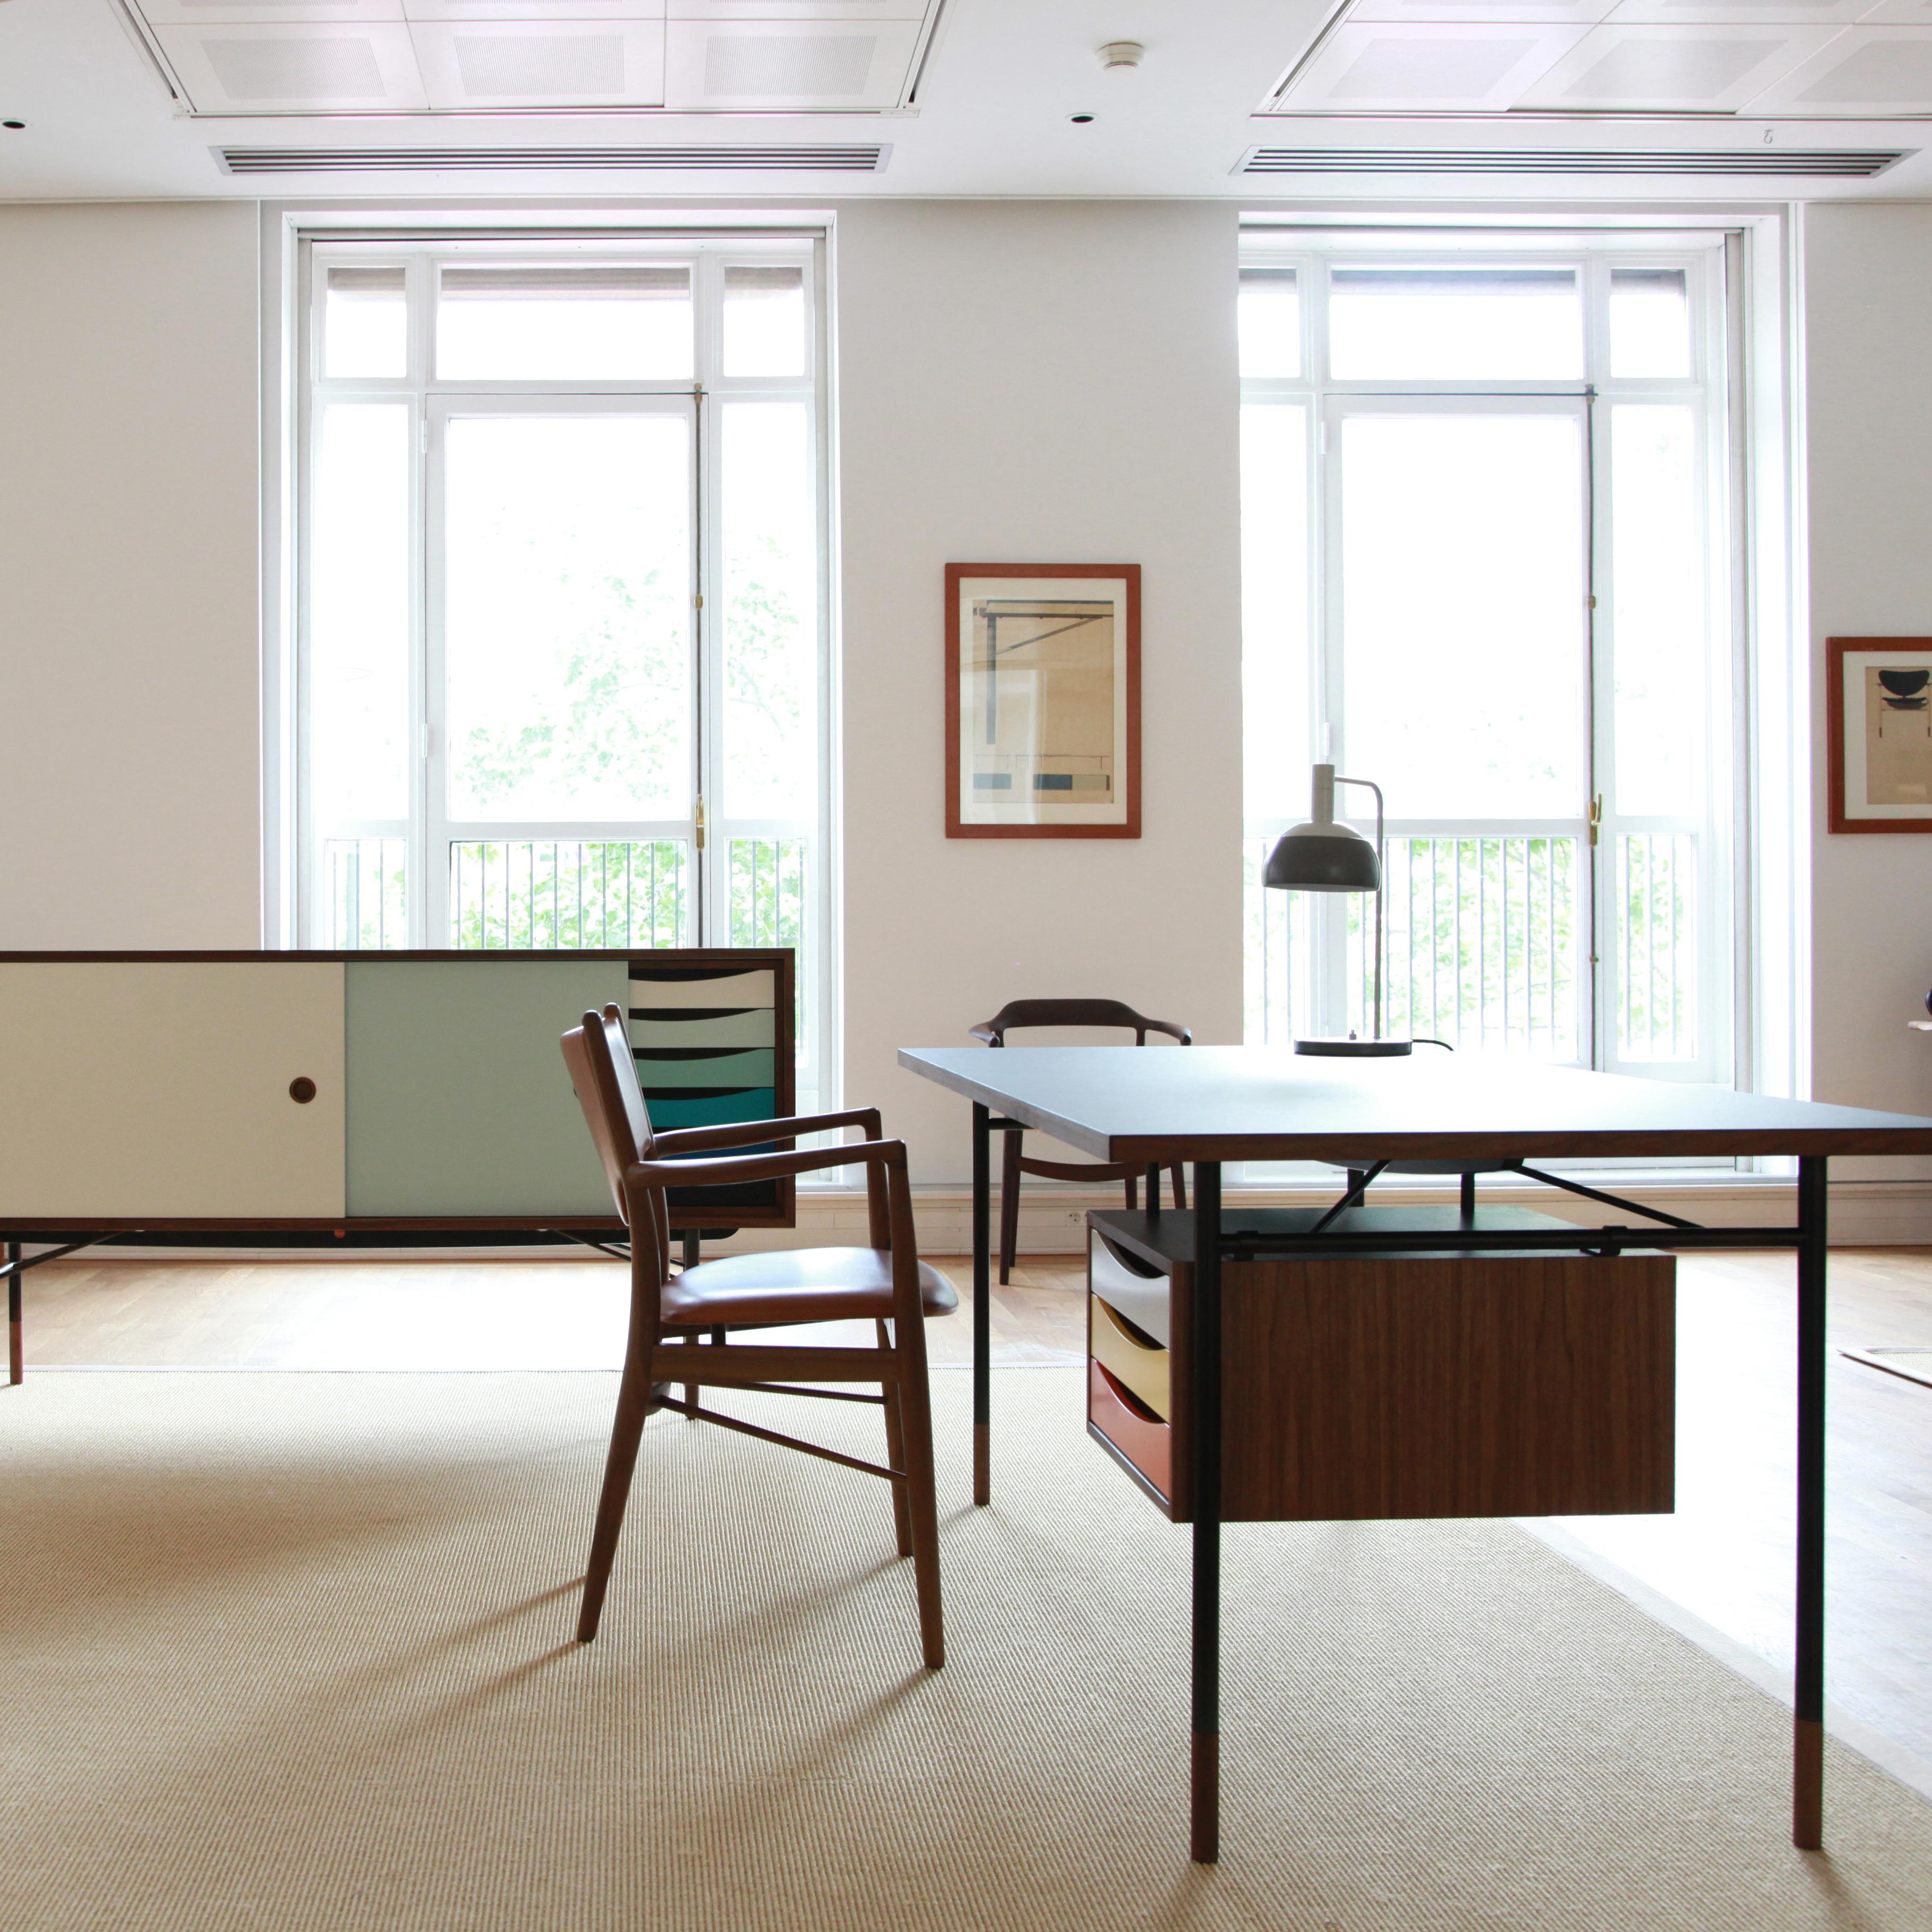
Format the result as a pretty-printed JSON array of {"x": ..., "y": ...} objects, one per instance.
[{"x": 458, "y": 1103}]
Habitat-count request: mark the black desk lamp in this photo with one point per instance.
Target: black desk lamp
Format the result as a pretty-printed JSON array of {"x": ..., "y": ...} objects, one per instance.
[{"x": 1324, "y": 856}]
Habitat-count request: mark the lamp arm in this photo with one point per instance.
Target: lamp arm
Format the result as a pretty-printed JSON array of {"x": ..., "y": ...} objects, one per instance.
[{"x": 1381, "y": 862}]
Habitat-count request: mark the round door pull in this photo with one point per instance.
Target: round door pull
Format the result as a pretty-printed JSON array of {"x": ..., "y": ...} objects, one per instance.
[{"x": 302, "y": 1090}]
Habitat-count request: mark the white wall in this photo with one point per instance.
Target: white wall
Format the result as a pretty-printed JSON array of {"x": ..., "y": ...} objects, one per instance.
[
  {"x": 1035, "y": 383},
  {"x": 129, "y": 813},
  {"x": 1868, "y": 344}
]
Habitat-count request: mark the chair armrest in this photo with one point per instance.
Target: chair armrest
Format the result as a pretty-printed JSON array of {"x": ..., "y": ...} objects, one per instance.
[
  {"x": 992, "y": 1035},
  {"x": 1182, "y": 1034},
  {"x": 678, "y": 1139},
  {"x": 729, "y": 1170}
]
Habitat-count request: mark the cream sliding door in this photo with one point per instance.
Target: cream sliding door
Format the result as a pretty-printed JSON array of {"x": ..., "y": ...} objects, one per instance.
[{"x": 160, "y": 1089}]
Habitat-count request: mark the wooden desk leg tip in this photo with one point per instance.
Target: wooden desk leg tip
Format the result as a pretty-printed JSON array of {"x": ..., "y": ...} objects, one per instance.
[
  {"x": 17, "y": 1353},
  {"x": 1807, "y": 1784},
  {"x": 982, "y": 1463},
  {"x": 1204, "y": 1814}
]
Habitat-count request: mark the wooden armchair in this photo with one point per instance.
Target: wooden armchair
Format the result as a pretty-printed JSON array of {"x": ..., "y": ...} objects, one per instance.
[
  {"x": 672, "y": 1316},
  {"x": 1017, "y": 1013}
]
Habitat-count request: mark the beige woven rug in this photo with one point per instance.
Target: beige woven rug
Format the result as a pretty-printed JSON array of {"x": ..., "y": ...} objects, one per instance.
[{"x": 292, "y": 1650}]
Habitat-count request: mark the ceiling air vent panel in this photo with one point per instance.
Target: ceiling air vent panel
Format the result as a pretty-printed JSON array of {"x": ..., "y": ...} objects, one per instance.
[
  {"x": 316, "y": 68},
  {"x": 1700, "y": 69},
  {"x": 1427, "y": 67},
  {"x": 857, "y": 157},
  {"x": 1868, "y": 71},
  {"x": 541, "y": 63},
  {"x": 781, "y": 65},
  {"x": 226, "y": 13},
  {"x": 1854, "y": 163}
]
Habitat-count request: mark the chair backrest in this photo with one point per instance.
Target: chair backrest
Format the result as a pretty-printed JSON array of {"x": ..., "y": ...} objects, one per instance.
[
  {"x": 598, "y": 1053},
  {"x": 1017, "y": 1013}
]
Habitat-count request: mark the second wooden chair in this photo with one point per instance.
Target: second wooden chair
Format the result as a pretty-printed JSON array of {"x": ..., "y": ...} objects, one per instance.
[
  {"x": 671, "y": 1317},
  {"x": 1017, "y": 1013}
]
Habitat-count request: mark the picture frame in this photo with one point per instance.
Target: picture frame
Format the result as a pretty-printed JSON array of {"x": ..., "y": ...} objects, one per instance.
[
  {"x": 1043, "y": 700},
  {"x": 1880, "y": 779}
]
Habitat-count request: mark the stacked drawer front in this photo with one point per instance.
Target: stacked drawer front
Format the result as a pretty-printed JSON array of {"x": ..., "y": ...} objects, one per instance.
[{"x": 1129, "y": 1390}]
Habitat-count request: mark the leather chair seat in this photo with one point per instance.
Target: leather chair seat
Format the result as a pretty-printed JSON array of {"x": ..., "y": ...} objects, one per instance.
[{"x": 800, "y": 1284}]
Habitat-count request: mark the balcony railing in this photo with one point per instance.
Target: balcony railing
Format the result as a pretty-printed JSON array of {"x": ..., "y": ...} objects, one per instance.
[
  {"x": 1485, "y": 945},
  {"x": 365, "y": 895},
  {"x": 1481, "y": 945},
  {"x": 564, "y": 894},
  {"x": 768, "y": 891},
  {"x": 1656, "y": 885}
]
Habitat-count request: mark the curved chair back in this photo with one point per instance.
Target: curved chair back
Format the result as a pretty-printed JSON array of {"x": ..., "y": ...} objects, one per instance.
[
  {"x": 598, "y": 1053},
  {"x": 1019, "y": 1013}
]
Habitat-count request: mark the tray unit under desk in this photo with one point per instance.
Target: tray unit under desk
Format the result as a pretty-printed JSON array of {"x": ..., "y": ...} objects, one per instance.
[{"x": 1538, "y": 1383}]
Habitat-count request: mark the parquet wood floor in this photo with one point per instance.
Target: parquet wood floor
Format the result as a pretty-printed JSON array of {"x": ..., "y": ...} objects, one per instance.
[{"x": 1725, "y": 1556}]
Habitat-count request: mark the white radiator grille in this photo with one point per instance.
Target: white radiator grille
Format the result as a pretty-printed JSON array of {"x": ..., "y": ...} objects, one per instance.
[
  {"x": 859, "y": 158},
  {"x": 1855, "y": 162}
]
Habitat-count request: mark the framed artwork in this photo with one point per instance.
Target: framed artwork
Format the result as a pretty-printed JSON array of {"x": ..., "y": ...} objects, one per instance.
[
  {"x": 1878, "y": 709},
  {"x": 1043, "y": 700}
]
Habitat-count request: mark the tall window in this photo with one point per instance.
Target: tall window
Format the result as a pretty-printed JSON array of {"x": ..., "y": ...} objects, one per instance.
[
  {"x": 1485, "y": 536},
  {"x": 562, "y": 612}
]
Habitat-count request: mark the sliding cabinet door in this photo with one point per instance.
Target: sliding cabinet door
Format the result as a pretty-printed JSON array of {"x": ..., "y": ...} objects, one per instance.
[{"x": 161, "y": 1089}]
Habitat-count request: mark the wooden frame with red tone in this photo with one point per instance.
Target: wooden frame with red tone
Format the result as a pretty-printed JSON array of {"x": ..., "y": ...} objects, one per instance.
[{"x": 958, "y": 573}]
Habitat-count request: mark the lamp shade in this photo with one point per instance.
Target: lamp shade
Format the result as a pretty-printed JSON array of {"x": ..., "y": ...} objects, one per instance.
[{"x": 1317, "y": 858}]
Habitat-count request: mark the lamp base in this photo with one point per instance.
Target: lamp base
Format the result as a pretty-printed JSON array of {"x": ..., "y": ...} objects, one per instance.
[{"x": 1356, "y": 1049}]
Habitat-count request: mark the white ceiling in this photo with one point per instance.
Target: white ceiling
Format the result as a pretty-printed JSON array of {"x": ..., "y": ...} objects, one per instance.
[{"x": 995, "y": 92}]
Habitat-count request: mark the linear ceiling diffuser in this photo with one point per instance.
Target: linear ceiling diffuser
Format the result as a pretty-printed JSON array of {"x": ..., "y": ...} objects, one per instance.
[
  {"x": 1855, "y": 162},
  {"x": 857, "y": 158}
]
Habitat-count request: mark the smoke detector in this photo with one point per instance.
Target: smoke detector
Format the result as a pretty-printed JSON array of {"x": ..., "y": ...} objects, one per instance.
[{"x": 1121, "y": 53}]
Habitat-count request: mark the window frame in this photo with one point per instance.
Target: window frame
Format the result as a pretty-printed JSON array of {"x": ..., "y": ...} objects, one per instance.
[
  {"x": 1711, "y": 389},
  {"x": 706, "y": 394}
]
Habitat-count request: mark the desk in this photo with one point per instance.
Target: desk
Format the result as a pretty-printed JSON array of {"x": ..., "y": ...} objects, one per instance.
[{"x": 1211, "y": 1105}]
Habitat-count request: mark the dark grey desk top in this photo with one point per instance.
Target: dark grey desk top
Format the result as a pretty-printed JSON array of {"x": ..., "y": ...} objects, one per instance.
[{"x": 1129, "y": 1103}]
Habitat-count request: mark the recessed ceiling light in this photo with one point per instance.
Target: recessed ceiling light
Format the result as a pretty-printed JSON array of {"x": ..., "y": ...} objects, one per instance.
[
  {"x": 1080, "y": 120},
  {"x": 13, "y": 123}
]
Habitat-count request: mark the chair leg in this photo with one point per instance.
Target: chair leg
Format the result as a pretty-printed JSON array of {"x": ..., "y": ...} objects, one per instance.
[
  {"x": 1468, "y": 1213},
  {"x": 1180, "y": 1185},
  {"x": 1009, "y": 1205},
  {"x": 922, "y": 1505},
  {"x": 1133, "y": 1195},
  {"x": 896, "y": 1455},
  {"x": 635, "y": 1395},
  {"x": 691, "y": 1388}
]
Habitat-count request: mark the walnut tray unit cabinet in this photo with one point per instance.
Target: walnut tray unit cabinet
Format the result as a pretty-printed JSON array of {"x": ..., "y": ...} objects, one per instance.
[{"x": 1368, "y": 1386}]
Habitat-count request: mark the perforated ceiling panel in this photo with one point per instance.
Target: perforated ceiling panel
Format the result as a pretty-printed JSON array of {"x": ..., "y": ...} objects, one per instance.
[
  {"x": 1548, "y": 13},
  {"x": 786, "y": 64},
  {"x": 1813, "y": 59},
  {"x": 1708, "y": 68},
  {"x": 507, "y": 64},
  {"x": 257, "y": 68},
  {"x": 265, "y": 57},
  {"x": 1739, "y": 12},
  {"x": 1428, "y": 64},
  {"x": 1864, "y": 71}
]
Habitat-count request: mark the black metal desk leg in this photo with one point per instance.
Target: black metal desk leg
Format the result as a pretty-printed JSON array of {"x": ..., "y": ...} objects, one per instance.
[
  {"x": 16, "y": 1333},
  {"x": 1807, "y": 1770},
  {"x": 1205, "y": 1500},
  {"x": 983, "y": 1313}
]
